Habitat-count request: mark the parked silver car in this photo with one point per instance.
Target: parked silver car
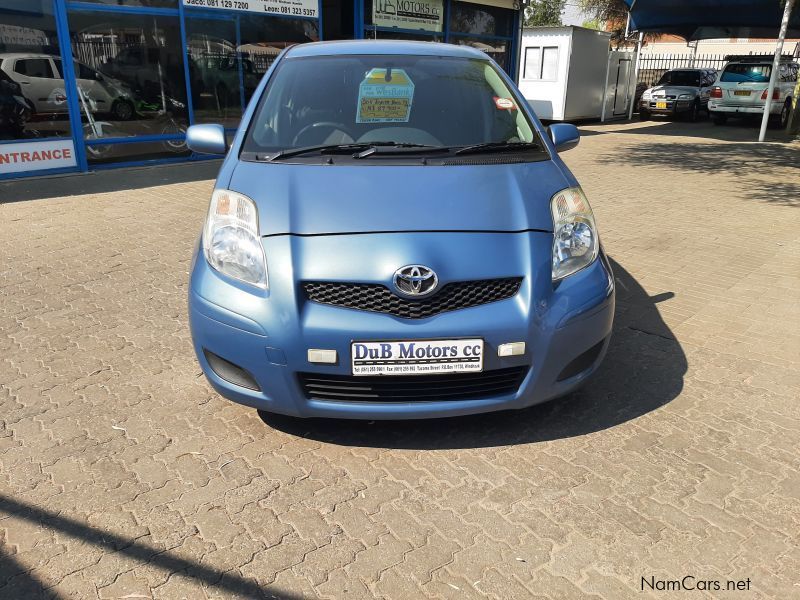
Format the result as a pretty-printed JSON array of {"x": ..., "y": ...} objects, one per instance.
[
  {"x": 679, "y": 92},
  {"x": 42, "y": 82}
]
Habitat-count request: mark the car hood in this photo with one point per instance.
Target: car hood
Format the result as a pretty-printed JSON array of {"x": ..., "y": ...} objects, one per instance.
[
  {"x": 321, "y": 199},
  {"x": 673, "y": 90}
]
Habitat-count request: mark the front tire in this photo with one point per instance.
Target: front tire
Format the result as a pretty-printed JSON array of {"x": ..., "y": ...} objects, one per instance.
[
  {"x": 694, "y": 112},
  {"x": 644, "y": 115}
]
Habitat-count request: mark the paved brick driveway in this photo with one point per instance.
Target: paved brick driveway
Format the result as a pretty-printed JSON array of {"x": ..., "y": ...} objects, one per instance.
[{"x": 123, "y": 476}]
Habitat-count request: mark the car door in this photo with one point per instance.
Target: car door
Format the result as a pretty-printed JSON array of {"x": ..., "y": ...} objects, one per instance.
[
  {"x": 40, "y": 85},
  {"x": 89, "y": 81}
]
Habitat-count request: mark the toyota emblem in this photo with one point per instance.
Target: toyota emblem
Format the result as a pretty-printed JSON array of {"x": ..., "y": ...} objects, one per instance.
[{"x": 415, "y": 280}]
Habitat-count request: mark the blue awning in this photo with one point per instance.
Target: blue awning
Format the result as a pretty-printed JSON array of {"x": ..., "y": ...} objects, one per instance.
[{"x": 704, "y": 19}]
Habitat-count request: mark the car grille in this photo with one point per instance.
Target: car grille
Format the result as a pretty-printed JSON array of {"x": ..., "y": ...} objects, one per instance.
[
  {"x": 412, "y": 388},
  {"x": 378, "y": 298}
]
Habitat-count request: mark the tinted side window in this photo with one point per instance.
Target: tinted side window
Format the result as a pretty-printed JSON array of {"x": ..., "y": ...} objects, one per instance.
[{"x": 34, "y": 67}]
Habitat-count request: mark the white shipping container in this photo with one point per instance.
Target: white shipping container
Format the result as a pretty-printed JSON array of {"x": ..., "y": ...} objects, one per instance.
[{"x": 562, "y": 72}]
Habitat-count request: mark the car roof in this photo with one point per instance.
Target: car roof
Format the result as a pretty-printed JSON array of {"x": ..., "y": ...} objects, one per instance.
[
  {"x": 27, "y": 55},
  {"x": 366, "y": 47},
  {"x": 766, "y": 61}
]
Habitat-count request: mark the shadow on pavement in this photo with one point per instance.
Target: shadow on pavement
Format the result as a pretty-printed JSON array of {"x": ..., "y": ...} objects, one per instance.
[
  {"x": 643, "y": 371},
  {"x": 15, "y": 582},
  {"x": 751, "y": 164},
  {"x": 100, "y": 182},
  {"x": 736, "y": 130}
]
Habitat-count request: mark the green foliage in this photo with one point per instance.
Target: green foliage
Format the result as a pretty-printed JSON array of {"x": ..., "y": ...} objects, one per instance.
[
  {"x": 543, "y": 13},
  {"x": 610, "y": 14}
]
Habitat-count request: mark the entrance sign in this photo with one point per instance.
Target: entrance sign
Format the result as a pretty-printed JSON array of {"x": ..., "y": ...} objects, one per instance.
[
  {"x": 408, "y": 14},
  {"x": 35, "y": 156},
  {"x": 292, "y": 8}
]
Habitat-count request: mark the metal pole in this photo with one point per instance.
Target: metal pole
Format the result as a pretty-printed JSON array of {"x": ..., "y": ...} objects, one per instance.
[
  {"x": 636, "y": 75},
  {"x": 775, "y": 64},
  {"x": 605, "y": 88}
]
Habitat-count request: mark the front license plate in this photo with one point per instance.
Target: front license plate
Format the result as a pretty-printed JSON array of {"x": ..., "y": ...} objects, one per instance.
[
  {"x": 661, "y": 105},
  {"x": 417, "y": 357},
  {"x": 741, "y": 92}
]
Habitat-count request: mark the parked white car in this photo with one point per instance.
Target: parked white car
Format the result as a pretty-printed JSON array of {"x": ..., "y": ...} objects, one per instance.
[
  {"x": 42, "y": 82},
  {"x": 679, "y": 92},
  {"x": 741, "y": 90}
]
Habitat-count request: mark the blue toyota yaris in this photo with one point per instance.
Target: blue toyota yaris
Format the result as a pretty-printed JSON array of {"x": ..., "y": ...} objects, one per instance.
[{"x": 393, "y": 235}]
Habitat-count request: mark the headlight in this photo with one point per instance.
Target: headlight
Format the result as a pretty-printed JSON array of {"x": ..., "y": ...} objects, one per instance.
[
  {"x": 575, "y": 241},
  {"x": 685, "y": 97},
  {"x": 646, "y": 95},
  {"x": 230, "y": 239}
]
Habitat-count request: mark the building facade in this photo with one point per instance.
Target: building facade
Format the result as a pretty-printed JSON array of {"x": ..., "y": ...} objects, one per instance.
[{"x": 144, "y": 70}]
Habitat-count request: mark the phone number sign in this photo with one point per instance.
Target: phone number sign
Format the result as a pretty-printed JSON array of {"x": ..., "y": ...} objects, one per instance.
[{"x": 292, "y": 8}]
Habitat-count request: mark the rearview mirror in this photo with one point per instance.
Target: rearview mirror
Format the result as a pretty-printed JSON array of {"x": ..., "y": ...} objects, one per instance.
[
  {"x": 564, "y": 136},
  {"x": 207, "y": 139}
]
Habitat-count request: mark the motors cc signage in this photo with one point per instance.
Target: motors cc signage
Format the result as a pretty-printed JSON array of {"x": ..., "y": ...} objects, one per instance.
[
  {"x": 408, "y": 14},
  {"x": 35, "y": 156}
]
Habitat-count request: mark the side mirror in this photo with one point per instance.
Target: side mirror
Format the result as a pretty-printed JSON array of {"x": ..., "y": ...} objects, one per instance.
[
  {"x": 206, "y": 139},
  {"x": 564, "y": 136}
]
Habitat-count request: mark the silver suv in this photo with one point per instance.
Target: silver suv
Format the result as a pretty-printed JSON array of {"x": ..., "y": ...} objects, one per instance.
[{"x": 679, "y": 92}]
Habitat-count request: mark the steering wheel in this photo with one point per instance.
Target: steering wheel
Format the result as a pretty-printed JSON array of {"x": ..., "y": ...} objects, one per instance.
[{"x": 322, "y": 124}]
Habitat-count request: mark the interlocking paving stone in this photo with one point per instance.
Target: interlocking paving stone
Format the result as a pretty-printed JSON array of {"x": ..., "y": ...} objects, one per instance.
[{"x": 123, "y": 475}]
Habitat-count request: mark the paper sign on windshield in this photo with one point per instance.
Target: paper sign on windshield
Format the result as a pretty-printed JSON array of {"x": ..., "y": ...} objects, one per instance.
[{"x": 385, "y": 96}]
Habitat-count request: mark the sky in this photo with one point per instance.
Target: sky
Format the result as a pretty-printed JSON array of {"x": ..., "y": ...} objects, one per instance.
[{"x": 572, "y": 14}]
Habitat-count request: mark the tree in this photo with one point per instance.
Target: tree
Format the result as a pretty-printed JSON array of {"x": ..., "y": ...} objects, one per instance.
[
  {"x": 611, "y": 14},
  {"x": 543, "y": 13}
]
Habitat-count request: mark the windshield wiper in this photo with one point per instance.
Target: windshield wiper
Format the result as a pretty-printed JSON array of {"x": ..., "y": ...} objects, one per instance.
[
  {"x": 322, "y": 149},
  {"x": 499, "y": 147},
  {"x": 359, "y": 149},
  {"x": 398, "y": 148}
]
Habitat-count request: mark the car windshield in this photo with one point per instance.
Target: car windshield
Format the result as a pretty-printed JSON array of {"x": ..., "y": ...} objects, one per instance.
[
  {"x": 743, "y": 73},
  {"x": 689, "y": 78},
  {"x": 386, "y": 99}
]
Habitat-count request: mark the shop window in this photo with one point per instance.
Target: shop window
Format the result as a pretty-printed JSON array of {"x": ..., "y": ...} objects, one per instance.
[
  {"x": 338, "y": 17},
  {"x": 33, "y": 101},
  {"x": 478, "y": 19},
  {"x": 219, "y": 71},
  {"x": 130, "y": 78},
  {"x": 263, "y": 38},
  {"x": 499, "y": 50}
]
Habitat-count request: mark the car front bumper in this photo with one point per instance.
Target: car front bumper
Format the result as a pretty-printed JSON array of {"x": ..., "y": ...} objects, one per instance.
[
  {"x": 673, "y": 106},
  {"x": 269, "y": 337}
]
